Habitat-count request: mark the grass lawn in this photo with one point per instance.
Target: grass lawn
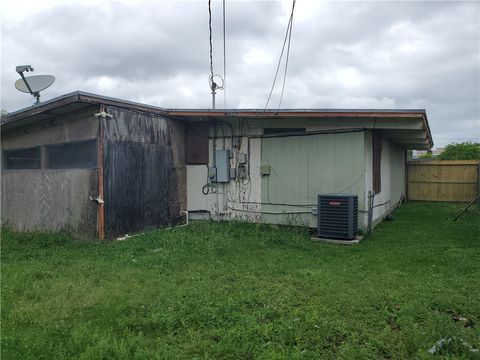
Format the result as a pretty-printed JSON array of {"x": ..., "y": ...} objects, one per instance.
[{"x": 244, "y": 291}]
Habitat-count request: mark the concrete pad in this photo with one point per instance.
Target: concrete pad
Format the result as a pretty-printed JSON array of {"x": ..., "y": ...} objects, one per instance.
[{"x": 338, "y": 241}]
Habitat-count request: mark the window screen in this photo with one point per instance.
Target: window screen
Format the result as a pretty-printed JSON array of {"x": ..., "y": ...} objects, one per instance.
[
  {"x": 22, "y": 159},
  {"x": 76, "y": 155},
  {"x": 377, "y": 160}
]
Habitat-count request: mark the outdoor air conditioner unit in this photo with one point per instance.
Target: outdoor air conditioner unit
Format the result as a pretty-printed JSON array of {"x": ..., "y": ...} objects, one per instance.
[{"x": 337, "y": 216}]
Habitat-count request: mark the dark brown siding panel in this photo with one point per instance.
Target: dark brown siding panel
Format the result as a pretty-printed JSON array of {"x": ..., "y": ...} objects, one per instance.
[
  {"x": 178, "y": 174},
  {"x": 196, "y": 143},
  {"x": 137, "y": 182},
  {"x": 144, "y": 171}
]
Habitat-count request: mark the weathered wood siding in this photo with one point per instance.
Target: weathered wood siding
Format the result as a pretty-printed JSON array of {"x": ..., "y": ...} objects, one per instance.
[
  {"x": 447, "y": 180},
  {"x": 46, "y": 199},
  {"x": 144, "y": 171},
  {"x": 81, "y": 125},
  {"x": 50, "y": 200}
]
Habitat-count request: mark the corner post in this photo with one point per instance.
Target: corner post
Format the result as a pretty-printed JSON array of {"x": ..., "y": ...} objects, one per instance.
[{"x": 101, "y": 204}]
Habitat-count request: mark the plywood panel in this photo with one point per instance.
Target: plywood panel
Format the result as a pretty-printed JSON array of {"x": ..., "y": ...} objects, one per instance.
[
  {"x": 304, "y": 166},
  {"x": 66, "y": 128},
  {"x": 196, "y": 178},
  {"x": 448, "y": 180},
  {"x": 50, "y": 200}
]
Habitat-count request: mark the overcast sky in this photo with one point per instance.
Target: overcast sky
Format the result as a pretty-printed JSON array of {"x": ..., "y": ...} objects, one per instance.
[{"x": 343, "y": 54}]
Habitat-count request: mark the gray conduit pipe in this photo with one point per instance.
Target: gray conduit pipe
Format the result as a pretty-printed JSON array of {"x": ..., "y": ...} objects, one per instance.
[{"x": 371, "y": 199}]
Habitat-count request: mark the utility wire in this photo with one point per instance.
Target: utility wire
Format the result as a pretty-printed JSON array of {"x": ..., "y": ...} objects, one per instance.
[
  {"x": 210, "y": 38},
  {"x": 224, "y": 62},
  {"x": 288, "y": 54},
  {"x": 281, "y": 53}
]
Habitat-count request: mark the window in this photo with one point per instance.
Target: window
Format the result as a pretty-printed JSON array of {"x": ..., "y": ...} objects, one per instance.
[
  {"x": 75, "y": 155},
  {"x": 22, "y": 159},
  {"x": 377, "y": 160}
]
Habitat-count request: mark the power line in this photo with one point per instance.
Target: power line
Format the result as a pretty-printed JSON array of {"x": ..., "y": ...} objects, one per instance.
[
  {"x": 210, "y": 38},
  {"x": 288, "y": 55},
  {"x": 281, "y": 53},
  {"x": 224, "y": 61}
]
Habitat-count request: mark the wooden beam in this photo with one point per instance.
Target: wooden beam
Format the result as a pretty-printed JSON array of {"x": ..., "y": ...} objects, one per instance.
[{"x": 101, "y": 195}]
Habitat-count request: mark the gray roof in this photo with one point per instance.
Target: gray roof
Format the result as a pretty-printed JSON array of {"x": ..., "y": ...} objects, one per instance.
[{"x": 79, "y": 100}]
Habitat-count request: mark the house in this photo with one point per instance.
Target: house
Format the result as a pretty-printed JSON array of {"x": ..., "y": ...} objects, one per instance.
[
  {"x": 106, "y": 166},
  {"x": 67, "y": 165}
]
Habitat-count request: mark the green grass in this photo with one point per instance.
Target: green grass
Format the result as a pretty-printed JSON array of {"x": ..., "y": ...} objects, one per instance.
[{"x": 243, "y": 291}]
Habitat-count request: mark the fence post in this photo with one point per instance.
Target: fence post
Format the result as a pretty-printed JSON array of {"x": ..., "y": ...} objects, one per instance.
[{"x": 478, "y": 178}]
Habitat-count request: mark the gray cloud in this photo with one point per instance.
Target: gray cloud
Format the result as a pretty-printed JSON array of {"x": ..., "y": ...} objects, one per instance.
[{"x": 343, "y": 54}]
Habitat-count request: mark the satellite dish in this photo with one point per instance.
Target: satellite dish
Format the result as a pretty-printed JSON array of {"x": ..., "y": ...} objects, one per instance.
[{"x": 37, "y": 83}]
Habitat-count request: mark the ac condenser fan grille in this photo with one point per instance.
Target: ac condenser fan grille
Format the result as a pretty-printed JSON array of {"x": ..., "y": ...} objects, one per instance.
[{"x": 337, "y": 216}]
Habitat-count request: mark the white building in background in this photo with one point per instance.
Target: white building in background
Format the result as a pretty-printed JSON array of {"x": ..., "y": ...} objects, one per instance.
[{"x": 433, "y": 151}]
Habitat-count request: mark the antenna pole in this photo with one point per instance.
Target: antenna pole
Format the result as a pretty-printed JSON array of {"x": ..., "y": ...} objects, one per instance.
[{"x": 213, "y": 98}]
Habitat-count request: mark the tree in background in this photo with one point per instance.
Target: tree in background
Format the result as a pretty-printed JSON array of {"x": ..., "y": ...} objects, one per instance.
[{"x": 461, "y": 151}]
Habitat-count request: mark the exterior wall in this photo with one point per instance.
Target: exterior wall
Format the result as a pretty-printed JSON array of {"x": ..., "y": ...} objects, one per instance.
[
  {"x": 144, "y": 175},
  {"x": 392, "y": 172},
  {"x": 74, "y": 127},
  {"x": 239, "y": 199},
  {"x": 301, "y": 167},
  {"x": 304, "y": 167},
  {"x": 196, "y": 178},
  {"x": 383, "y": 197},
  {"x": 44, "y": 199},
  {"x": 368, "y": 171},
  {"x": 398, "y": 174},
  {"x": 144, "y": 171},
  {"x": 297, "y": 176},
  {"x": 50, "y": 200}
]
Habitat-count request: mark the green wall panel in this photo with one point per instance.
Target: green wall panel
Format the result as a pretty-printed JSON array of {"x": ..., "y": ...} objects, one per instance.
[{"x": 301, "y": 167}]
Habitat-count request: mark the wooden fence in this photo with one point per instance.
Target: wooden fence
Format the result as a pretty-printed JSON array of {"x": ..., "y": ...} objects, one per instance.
[{"x": 443, "y": 180}]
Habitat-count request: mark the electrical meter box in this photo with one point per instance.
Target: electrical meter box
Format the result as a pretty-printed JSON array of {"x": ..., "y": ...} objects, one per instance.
[
  {"x": 223, "y": 165},
  {"x": 242, "y": 158},
  {"x": 212, "y": 174},
  {"x": 242, "y": 172}
]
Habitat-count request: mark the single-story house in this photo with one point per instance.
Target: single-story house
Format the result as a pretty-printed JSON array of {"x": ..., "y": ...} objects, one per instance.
[{"x": 106, "y": 167}]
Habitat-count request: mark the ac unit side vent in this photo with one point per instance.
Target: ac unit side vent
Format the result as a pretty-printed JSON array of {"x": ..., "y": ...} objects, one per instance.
[{"x": 337, "y": 216}]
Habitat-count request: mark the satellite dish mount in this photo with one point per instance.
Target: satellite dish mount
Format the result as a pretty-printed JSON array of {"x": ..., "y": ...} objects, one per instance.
[
  {"x": 20, "y": 69},
  {"x": 32, "y": 84}
]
